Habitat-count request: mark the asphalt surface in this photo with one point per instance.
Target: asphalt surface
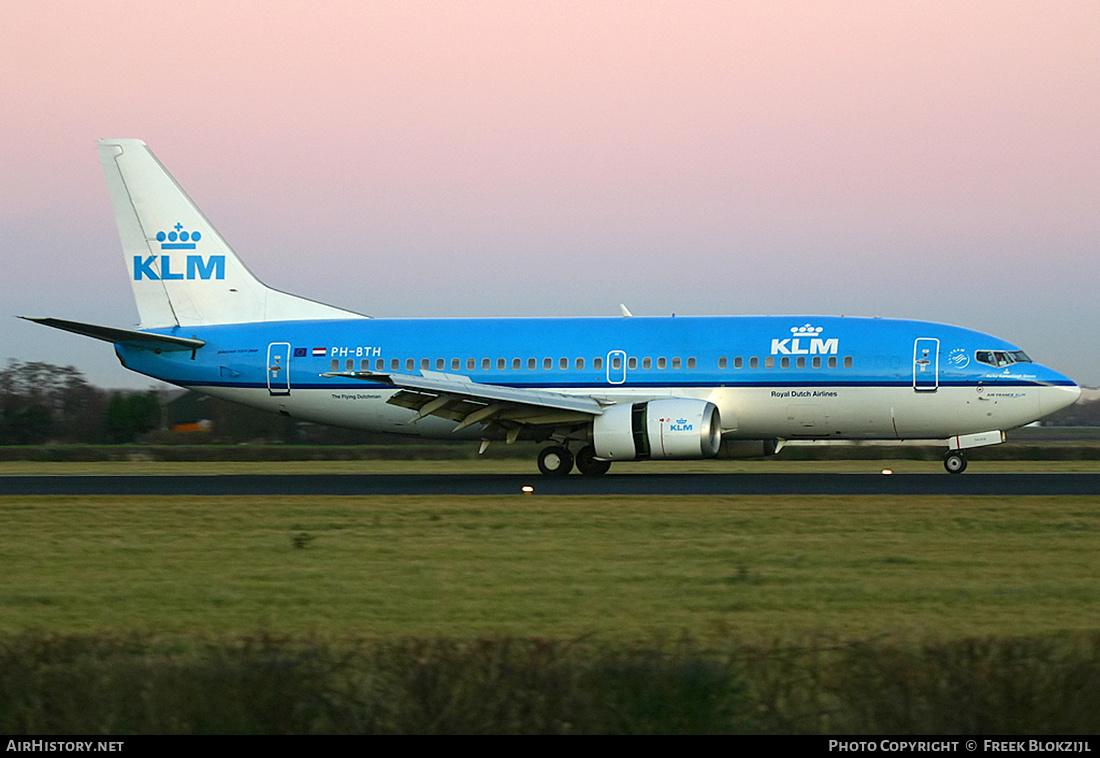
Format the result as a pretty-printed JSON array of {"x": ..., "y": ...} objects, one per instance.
[{"x": 613, "y": 484}]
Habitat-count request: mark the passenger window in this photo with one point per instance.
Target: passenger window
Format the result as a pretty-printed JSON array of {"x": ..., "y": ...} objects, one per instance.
[
  {"x": 847, "y": 361},
  {"x": 563, "y": 364},
  {"x": 395, "y": 364},
  {"x": 800, "y": 362},
  {"x": 632, "y": 363},
  {"x": 647, "y": 363},
  {"x": 691, "y": 363},
  {"x": 722, "y": 363},
  {"x": 785, "y": 362},
  {"x": 617, "y": 362},
  {"x": 738, "y": 362},
  {"x": 425, "y": 364},
  {"x": 349, "y": 364},
  {"x": 470, "y": 363},
  {"x": 409, "y": 364},
  {"x": 454, "y": 364},
  {"x": 335, "y": 365},
  {"x": 675, "y": 363},
  {"x": 769, "y": 362},
  {"x": 661, "y": 363},
  {"x": 439, "y": 364},
  {"x": 516, "y": 363},
  {"x": 817, "y": 361},
  {"x": 580, "y": 364},
  {"x": 597, "y": 364},
  {"x": 485, "y": 364},
  {"x": 501, "y": 363},
  {"x": 754, "y": 362},
  {"x": 547, "y": 364},
  {"x": 832, "y": 362}
]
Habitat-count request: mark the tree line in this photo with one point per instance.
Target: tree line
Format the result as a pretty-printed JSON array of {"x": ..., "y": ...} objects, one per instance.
[{"x": 41, "y": 402}]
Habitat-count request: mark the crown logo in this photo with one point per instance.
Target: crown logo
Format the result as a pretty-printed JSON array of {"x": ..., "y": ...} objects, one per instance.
[
  {"x": 178, "y": 239},
  {"x": 806, "y": 331}
]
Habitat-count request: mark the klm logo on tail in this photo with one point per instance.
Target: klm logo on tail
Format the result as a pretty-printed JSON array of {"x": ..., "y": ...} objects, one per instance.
[
  {"x": 159, "y": 267},
  {"x": 178, "y": 239}
]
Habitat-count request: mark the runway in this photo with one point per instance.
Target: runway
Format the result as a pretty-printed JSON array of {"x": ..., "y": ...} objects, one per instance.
[{"x": 214, "y": 485}]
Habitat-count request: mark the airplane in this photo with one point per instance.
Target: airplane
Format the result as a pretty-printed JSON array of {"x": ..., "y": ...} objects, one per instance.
[{"x": 595, "y": 391}]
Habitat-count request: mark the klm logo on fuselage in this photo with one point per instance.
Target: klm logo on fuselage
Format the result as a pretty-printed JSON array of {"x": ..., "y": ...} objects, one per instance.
[
  {"x": 169, "y": 267},
  {"x": 805, "y": 340}
]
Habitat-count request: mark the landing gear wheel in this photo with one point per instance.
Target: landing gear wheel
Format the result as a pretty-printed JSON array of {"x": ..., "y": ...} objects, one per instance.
[
  {"x": 588, "y": 464},
  {"x": 555, "y": 460},
  {"x": 954, "y": 462}
]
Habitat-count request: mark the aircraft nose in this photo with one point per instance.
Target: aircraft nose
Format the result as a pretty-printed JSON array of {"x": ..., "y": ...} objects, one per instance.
[{"x": 1055, "y": 397}]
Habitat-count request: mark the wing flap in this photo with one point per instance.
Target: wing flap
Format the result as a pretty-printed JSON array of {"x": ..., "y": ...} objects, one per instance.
[{"x": 466, "y": 402}]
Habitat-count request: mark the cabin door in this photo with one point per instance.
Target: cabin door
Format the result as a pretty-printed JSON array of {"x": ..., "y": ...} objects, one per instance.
[
  {"x": 278, "y": 368},
  {"x": 926, "y": 364}
]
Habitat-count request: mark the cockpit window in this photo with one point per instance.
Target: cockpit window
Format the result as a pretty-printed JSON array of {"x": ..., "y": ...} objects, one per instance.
[{"x": 1001, "y": 357}]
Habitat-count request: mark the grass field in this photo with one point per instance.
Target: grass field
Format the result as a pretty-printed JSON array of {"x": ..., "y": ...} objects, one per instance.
[
  {"x": 616, "y": 568},
  {"x": 531, "y": 614}
]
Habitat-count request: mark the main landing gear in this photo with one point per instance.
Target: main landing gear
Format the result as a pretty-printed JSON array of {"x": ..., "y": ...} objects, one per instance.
[
  {"x": 556, "y": 460},
  {"x": 954, "y": 461}
]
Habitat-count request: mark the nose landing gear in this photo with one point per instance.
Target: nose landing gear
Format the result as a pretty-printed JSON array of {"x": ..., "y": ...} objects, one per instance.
[{"x": 954, "y": 461}]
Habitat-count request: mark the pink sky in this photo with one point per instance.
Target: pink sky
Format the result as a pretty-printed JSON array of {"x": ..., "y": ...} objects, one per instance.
[{"x": 934, "y": 160}]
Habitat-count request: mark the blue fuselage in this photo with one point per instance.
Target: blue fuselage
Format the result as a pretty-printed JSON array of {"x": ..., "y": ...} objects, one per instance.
[{"x": 856, "y": 377}]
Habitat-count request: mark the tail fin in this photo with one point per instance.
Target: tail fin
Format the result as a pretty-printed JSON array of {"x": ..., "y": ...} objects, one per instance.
[{"x": 182, "y": 271}]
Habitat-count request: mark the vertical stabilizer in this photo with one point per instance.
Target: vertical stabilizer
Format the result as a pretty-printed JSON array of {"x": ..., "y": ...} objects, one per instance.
[{"x": 182, "y": 271}]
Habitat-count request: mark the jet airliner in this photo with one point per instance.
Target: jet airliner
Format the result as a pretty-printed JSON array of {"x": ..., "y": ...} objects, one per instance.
[{"x": 593, "y": 390}]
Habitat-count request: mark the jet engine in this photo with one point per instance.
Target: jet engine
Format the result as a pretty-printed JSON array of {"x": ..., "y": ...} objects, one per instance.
[{"x": 667, "y": 428}]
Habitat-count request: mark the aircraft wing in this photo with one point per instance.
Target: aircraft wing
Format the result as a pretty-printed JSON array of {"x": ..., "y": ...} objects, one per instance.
[{"x": 459, "y": 398}]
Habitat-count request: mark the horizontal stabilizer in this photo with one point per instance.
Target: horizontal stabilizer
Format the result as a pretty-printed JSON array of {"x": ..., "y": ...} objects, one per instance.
[{"x": 132, "y": 337}]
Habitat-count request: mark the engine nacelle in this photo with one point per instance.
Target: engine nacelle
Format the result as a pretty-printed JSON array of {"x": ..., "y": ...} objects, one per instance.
[{"x": 672, "y": 428}]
